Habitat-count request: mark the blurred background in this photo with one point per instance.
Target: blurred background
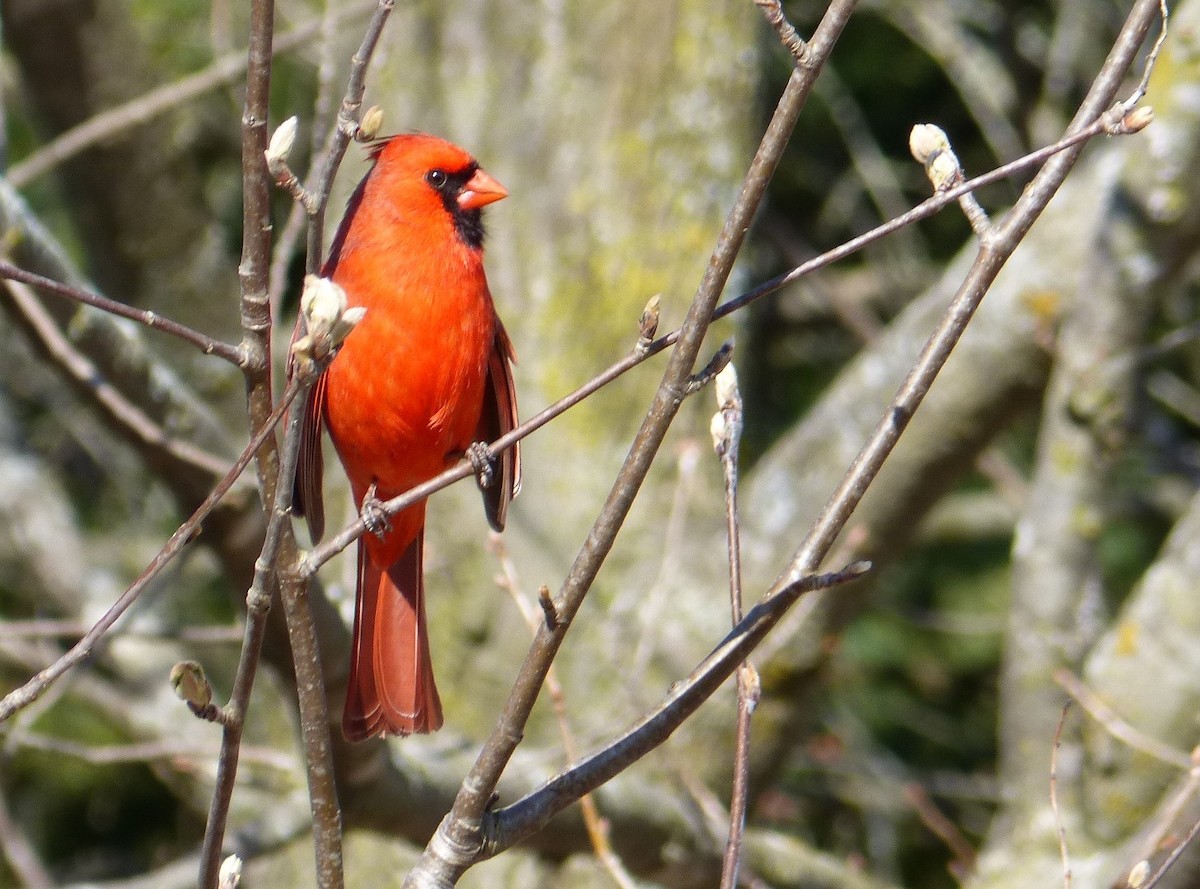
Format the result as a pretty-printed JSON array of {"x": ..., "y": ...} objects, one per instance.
[{"x": 1033, "y": 535}]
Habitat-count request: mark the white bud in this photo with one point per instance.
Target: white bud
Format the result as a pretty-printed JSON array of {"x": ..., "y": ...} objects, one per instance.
[
  {"x": 719, "y": 430},
  {"x": 281, "y": 142},
  {"x": 323, "y": 303},
  {"x": 726, "y": 388},
  {"x": 328, "y": 320},
  {"x": 925, "y": 140},
  {"x": 230, "y": 874}
]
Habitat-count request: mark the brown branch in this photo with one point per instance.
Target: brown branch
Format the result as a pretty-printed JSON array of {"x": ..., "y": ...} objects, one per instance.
[
  {"x": 59, "y": 629},
  {"x": 256, "y": 339},
  {"x": 943, "y": 828},
  {"x": 154, "y": 321},
  {"x": 593, "y": 822},
  {"x": 995, "y": 250},
  {"x": 726, "y": 430},
  {"x": 1118, "y": 727},
  {"x": 772, "y": 11},
  {"x": 149, "y": 751},
  {"x": 1059, "y": 828},
  {"x": 339, "y": 137},
  {"x": 123, "y": 413},
  {"x": 511, "y": 824}
]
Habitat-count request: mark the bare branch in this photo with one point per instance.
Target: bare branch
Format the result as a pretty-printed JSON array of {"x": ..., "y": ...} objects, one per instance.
[
  {"x": 203, "y": 342},
  {"x": 123, "y": 413},
  {"x": 509, "y": 825},
  {"x": 19, "y": 852}
]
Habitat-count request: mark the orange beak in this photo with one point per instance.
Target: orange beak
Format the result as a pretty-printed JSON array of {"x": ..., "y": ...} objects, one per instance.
[{"x": 481, "y": 190}]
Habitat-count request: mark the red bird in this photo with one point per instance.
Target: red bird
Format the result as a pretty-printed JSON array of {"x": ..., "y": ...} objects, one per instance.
[{"x": 423, "y": 376}]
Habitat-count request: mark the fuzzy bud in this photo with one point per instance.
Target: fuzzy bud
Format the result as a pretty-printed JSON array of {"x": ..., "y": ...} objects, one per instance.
[
  {"x": 925, "y": 140},
  {"x": 1137, "y": 119},
  {"x": 648, "y": 323},
  {"x": 191, "y": 685},
  {"x": 281, "y": 143},
  {"x": 931, "y": 148},
  {"x": 369, "y": 126},
  {"x": 326, "y": 317},
  {"x": 230, "y": 874},
  {"x": 726, "y": 388}
]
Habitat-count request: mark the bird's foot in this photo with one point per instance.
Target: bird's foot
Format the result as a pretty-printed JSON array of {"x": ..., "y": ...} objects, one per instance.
[
  {"x": 480, "y": 456},
  {"x": 372, "y": 513}
]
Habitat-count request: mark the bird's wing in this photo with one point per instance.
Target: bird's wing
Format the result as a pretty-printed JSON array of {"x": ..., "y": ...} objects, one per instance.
[{"x": 499, "y": 417}]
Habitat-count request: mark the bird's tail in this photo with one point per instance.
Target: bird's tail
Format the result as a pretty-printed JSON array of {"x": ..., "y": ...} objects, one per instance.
[{"x": 391, "y": 689}]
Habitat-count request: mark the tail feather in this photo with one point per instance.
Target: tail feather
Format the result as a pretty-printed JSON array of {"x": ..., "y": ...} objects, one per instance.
[{"x": 391, "y": 689}]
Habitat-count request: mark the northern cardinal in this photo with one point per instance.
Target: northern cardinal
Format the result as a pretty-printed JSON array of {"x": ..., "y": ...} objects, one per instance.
[{"x": 424, "y": 375}]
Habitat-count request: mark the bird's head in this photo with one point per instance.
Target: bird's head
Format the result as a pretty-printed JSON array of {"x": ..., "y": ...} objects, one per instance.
[{"x": 421, "y": 174}]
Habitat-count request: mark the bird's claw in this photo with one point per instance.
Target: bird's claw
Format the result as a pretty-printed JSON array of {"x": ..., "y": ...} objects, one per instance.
[
  {"x": 480, "y": 456},
  {"x": 372, "y": 513}
]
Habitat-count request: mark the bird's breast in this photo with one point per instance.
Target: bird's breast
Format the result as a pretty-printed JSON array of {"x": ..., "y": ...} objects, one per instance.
[{"x": 404, "y": 394}]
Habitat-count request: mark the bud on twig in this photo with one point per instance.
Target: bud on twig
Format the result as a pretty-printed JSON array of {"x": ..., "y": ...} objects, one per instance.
[
  {"x": 230, "y": 874},
  {"x": 931, "y": 148},
  {"x": 369, "y": 126},
  {"x": 193, "y": 688},
  {"x": 716, "y": 364},
  {"x": 281, "y": 144},
  {"x": 191, "y": 685},
  {"x": 726, "y": 424},
  {"x": 1133, "y": 121},
  {"x": 648, "y": 323},
  {"x": 277, "y": 153},
  {"x": 327, "y": 319}
]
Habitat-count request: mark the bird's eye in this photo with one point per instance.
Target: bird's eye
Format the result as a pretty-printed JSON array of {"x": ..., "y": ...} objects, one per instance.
[{"x": 437, "y": 178}]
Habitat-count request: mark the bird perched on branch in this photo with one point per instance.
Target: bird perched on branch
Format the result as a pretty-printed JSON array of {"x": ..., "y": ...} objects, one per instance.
[{"x": 425, "y": 375}]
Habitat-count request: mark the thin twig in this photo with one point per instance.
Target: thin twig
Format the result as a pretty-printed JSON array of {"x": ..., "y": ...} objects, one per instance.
[
  {"x": 1170, "y": 860},
  {"x": 320, "y": 182},
  {"x": 220, "y": 634},
  {"x": 1054, "y": 807},
  {"x": 1152, "y": 57},
  {"x": 122, "y": 412},
  {"x": 726, "y": 430},
  {"x": 593, "y": 822},
  {"x": 511, "y": 824},
  {"x": 150, "y": 751},
  {"x": 203, "y": 342},
  {"x": 19, "y": 852},
  {"x": 1116, "y": 726},
  {"x": 256, "y": 347},
  {"x": 943, "y": 828},
  {"x": 310, "y": 684},
  {"x": 772, "y": 11}
]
